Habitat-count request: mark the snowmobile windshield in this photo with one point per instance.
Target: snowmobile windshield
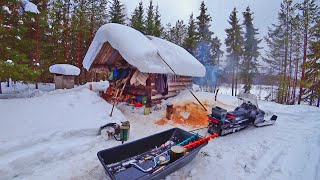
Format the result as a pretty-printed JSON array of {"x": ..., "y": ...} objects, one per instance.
[{"x": 248, "y": 98}]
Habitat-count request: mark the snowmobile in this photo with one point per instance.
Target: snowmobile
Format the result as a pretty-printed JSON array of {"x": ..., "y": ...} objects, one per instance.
[{"x": 245, "y": 115}]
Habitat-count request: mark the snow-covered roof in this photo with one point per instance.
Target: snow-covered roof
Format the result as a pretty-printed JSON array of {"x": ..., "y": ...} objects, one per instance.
[
  {"x": 145, "y": 53},
  {"x": 64, "y": 69}
]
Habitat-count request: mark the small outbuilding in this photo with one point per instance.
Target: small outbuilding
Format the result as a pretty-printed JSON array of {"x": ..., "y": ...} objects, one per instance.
[
  {"x": 64, "y": 75},
  {"x": 140, "y": 69}
]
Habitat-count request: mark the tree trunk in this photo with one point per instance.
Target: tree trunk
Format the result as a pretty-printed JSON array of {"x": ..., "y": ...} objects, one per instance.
[
  {"x": 0, "y": 86},
  {"x": 232, "y": 86},
  {"x": 37, "y": 49},
  {"x": 305, "y": 48},
  {"x": 79, "y": 47},
  {"x": 92, "y": 23},
  {"x": 286, "y": 43},
  {"x": 311, "y": 98},
  {"x": 295, "y": 81},
  {"x": 67, "y": 34},
  {"x": 236, "y": 88}
]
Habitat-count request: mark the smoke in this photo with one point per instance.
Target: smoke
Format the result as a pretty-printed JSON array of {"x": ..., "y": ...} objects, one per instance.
[{"x": 204, "y": 55}]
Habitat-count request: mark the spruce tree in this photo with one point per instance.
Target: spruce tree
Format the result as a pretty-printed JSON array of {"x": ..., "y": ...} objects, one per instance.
[
  {"x": 157, "y": 31},
  {"x": 216, "y": 51},
  {"x": 234, "y": 44},
  {"x": 191, "y": 39},
  {"x": 116, "y": 12},
  {"x": 150, "y": 19},
  {"x": 137, "y": 19},
  {"x": 204, "y": 35},
  {"x": 249, "y": 64},
  {"x": 207, "y": 47},
  {"x": 204, "y": 24},
  {"x": 16, "y": 46}
]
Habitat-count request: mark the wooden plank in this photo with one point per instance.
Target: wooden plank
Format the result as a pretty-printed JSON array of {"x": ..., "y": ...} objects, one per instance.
[
  {"x": 170, "y": 94},
  {"x": 188, "y": 84},
  {"x": 100, "y": 54},
  {"x": 105, "y": 57}
]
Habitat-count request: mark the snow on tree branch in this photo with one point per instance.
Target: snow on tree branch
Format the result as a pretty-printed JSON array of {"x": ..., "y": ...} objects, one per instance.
[{"x": 30, "y": 7}]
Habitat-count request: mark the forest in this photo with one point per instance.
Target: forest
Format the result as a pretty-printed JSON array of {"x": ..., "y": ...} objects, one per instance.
[{"x": 62, "y": 31}]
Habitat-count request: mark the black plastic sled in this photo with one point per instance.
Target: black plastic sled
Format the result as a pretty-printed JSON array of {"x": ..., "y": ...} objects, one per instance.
[{"x": 132, "y": 160}]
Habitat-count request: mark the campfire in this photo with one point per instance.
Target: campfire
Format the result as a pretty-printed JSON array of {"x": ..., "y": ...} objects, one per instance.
[{"x": 190, "y": 113}]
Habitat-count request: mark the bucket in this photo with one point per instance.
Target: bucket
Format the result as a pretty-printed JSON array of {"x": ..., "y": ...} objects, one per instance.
[
  {"x": 176, "y": 153},
  {"x": 147, "y": 110},
  {"x": 169, "y": 111}
]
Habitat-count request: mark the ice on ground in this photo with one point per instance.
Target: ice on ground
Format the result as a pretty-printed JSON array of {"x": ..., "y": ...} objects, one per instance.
[
  {"x": 64, "y": 69},
  {"x": 145, "y": 54}
]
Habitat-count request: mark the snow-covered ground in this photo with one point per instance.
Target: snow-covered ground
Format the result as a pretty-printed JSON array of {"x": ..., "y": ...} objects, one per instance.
[
  {"x": 54, "y": 136},
  {"x": 24, "y": 90}
]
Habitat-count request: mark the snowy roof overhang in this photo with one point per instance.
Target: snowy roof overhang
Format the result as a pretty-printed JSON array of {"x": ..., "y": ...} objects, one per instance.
[
  {"x": 146, "y": 53},
  {"x": 64, "y": 69}
]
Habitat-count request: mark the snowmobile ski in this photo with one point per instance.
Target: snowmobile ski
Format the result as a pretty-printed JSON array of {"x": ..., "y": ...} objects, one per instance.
[{"x": 269, "y": 122}]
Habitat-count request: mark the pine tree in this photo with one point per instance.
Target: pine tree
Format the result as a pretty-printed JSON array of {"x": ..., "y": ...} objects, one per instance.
[
  {"x": 234, "y": 44},
  {"x": 310, "y": 12},
  {"x": 297, "y": 54},
  {"x": 278, "y": 41},
  {"x": 116, "y": 12},
  {"x": 137, "y": 19},
  {"x": 312, "y": 66},
  {"x": 249, "y": 65},
  {"x": 157, "y": 31},
  {"x": 150, "y": 19},
  {"x": 191, "y": 39},
  {"x": 315, "y": 63}
]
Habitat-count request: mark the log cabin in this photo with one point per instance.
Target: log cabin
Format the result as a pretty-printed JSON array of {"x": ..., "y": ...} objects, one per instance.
[{"x": 142, "y": 68}]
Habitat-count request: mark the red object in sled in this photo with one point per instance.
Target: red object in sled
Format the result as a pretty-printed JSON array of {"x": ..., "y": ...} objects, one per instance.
[
  {"x": 138, "y": 105},
  {"x": 199, "y": 142}
]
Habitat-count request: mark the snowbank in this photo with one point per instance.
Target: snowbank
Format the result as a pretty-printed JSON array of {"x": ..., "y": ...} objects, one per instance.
[
  {"x": 64, "y": 69},
  {"x": 55, "y": 111},
  {"x": 98, "y": 86},
  {"x": 143, "y": 53}
]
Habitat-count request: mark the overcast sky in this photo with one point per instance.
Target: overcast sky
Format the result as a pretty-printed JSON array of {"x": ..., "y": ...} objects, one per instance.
[{"x": 265, "y": 12}]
